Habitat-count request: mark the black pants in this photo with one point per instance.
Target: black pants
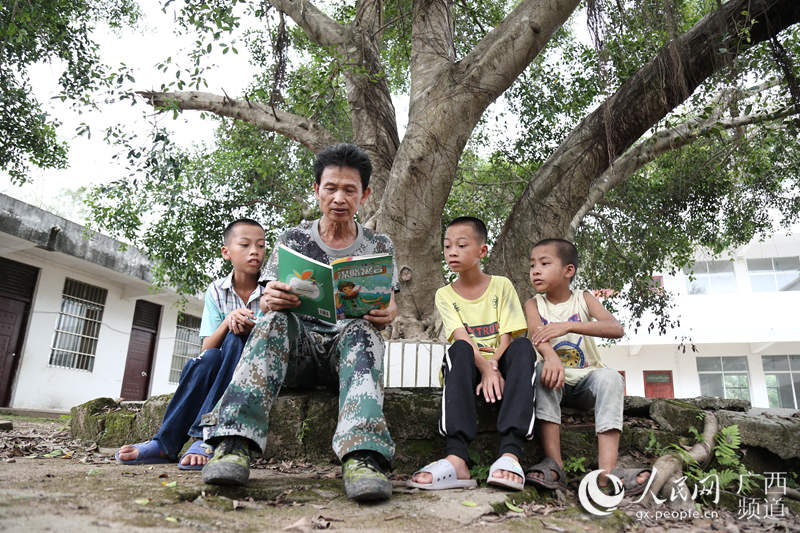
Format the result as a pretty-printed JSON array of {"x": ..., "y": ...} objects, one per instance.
[{"x": 459, "y": 417}]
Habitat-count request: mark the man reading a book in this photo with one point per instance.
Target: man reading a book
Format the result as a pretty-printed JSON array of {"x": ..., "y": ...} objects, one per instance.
[{"x": 295, "y": 350}]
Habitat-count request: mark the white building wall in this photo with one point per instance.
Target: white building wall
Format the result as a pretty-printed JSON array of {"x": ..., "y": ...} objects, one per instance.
[{"x": 38, "y": 385}]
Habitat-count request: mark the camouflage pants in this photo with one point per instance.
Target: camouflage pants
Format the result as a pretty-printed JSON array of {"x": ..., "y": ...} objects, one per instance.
[{"x": 284, "y": 350}]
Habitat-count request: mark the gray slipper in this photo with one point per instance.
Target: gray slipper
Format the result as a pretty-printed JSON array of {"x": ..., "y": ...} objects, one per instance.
[{"x": 546, "y": 467}]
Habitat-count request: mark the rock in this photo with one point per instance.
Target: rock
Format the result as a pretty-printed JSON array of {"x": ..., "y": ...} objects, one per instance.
[
  {"x": 676, "y": 416},
  {"x": 637, "y": 406},
  {"x": 6, "y": 425},
  {"x": 780, "y": 435}
]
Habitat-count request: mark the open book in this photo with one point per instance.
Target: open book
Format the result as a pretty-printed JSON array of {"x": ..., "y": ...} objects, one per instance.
[{"x": 347, "y": 288}]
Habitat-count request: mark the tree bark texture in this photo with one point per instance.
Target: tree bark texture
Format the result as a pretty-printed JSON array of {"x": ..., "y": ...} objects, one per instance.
[{"x": 561, "y": 185}]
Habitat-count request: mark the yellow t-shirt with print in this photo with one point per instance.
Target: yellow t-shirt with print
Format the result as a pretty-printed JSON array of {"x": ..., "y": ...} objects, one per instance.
[{"x": 495, "y": 312}]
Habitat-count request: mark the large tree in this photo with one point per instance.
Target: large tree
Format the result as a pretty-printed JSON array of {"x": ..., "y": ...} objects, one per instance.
[{"x": 454, "y": 59}]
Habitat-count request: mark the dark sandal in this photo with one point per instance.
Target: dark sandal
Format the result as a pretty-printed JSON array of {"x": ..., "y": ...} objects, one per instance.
[
  {"x": 546, "y": 467},
  {"x": 628, "y": 477}
]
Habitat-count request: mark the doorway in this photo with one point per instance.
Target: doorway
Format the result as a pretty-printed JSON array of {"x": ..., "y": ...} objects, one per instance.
[
  {"x": 17, "y": 283},
  {"x": 141, "y": 347},
  {"x": 658, "y": 384}
]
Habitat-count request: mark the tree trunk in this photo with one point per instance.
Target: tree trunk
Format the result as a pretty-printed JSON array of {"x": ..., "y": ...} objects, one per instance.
[{"x": 560, "y": 186}]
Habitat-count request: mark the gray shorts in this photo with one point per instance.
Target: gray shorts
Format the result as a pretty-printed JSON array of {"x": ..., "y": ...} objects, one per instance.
[{"x": 602, "y": 389}]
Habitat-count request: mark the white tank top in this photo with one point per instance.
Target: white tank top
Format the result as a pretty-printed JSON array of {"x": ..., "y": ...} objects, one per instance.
[{"x": 578, "y": 352}]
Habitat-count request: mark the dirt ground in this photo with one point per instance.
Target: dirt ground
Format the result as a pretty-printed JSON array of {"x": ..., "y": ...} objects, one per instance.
[{"x": 50, "y": 482}]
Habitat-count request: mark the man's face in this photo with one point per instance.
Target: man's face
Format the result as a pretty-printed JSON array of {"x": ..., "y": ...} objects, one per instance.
[
  {"x": 245, "y": 248},
  {"x": 339, "y": 193}
]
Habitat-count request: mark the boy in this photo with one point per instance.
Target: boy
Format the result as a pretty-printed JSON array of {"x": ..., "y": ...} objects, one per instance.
[
  {"x": 562, "y": 323},
  {"x": 228, "y": 316},
  {"x": 482, "y": 315}
]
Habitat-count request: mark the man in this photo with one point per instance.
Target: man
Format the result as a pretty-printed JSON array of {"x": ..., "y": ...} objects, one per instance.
[{"x": 295, "y": 350}]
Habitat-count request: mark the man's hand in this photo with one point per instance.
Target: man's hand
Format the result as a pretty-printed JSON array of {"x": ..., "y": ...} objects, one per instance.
[
  {"x": 552, "y": 373},
  {"x": 240, "y": 321},
  {"x": 550, "y": 331},
  {"x": 277, "y": 296},
  {"x": 381, "y": 318},
  {"x": 492, "y": 383}
]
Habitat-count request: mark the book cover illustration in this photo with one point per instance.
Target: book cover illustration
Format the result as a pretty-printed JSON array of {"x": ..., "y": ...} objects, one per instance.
[
  {"x": 311, "y": 280},
  {"x": 362, "y": 284},
  {"x": 347, "y": 288}
]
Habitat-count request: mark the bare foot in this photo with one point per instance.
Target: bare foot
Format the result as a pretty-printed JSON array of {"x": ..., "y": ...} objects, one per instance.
[
  {"x": 194, "y": 459},
  {"x": 462, "y": 472},
  {"x": 505, "y": 474},
  {"x": 130, "y": 453},
  {"x": 641, "y": 479}
]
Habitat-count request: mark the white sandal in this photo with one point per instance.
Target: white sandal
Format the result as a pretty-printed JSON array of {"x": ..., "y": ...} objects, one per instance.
[
  {"x": 508, "y": 464},
  {"x": 444, "y": 477}
]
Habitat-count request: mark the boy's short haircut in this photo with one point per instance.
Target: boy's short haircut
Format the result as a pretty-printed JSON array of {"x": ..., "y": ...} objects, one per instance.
[
  {"x": 566, "y": 250},
  {"x": 226, "y": 233},
  {"x": 477, "y": 225},
  {"x": 344, "y": 155}
]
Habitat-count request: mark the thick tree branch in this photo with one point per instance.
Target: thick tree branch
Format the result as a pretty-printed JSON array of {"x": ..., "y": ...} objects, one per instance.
[
  {"x": 305, "y": 131},
  {"x": 318, "y": 26},
  {"x": 508, "y": 49},
  {"x": 432, "y": 47},
  {"x": 660, "y": 143},
  {"x": 559, "y": 187}
]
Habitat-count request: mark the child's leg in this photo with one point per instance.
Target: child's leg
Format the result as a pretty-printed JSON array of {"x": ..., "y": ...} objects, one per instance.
[
  {"x": 548, "y": 420},
  {"x": 458, "y": 422},
  {"x": 516, "y": 417},
  {"x": 604, "y": 390}
]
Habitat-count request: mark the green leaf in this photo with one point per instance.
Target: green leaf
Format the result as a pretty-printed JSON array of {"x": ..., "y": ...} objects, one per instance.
[
  {"x": 469, "y": 503},
  {"x": 142, "y": 501},
  {"x": 512, "y": 507},
  {"x": 55, "y": 453}
]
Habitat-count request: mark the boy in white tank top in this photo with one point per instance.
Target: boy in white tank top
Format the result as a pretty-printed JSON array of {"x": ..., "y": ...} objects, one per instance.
[{"x": 562, "y": 324}]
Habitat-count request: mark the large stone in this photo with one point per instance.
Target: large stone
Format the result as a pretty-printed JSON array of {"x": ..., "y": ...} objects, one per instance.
[
  {"x": 302, "y": 425},
  {"x": 778, "y": 434}
]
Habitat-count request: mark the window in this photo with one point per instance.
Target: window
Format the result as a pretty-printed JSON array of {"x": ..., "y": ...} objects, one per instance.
[
  {"x": 78, "y": 326},
  {"x": 724, "y": 377},
  {"x": 711, "y": 277},
  {"x": 774, "y": 274},
  {"x": 782, "y": 374},
  {"x": 187, "y": 344}
]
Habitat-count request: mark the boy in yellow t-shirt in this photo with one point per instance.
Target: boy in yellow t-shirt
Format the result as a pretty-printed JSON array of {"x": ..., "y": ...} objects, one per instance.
[{"x": 490, "y": 355}]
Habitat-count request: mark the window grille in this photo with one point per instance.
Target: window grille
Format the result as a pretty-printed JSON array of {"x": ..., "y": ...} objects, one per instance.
[
  {"x": 78, "y": 327},
  {"x": 187, "y": 344}
]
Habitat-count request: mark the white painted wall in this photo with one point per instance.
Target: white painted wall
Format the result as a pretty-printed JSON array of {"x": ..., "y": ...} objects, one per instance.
[{"x": 38, "y": 385}]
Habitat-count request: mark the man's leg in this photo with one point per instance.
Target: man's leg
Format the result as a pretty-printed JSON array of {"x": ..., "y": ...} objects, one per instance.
[
  {"x": 362, "y": 439},
  {"x": 516, "y": 417},
  {"x": 196, "y": 378},
  {"x": 238, "y": 424},
  {"x": 458, "y": 422}
]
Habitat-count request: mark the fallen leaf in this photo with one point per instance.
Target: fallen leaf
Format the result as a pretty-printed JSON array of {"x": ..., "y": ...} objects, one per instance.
[
  {"x": 469, "y": 503},
  {"x": 94, "y": 471},
  {"x": 164, "y": 474},
  {"x": 171, "y": 519},
  {"x": 58, "y": 452},
  {"x": 304, "y": 525},
  {"x": 142, "y": 501},
  {"x": 512, "y": 507},
  {"x": 170, "y": 484}
]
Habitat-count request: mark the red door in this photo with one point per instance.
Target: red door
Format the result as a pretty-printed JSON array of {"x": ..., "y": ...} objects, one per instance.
[
  {"x": 136, "y": 380},
  {"x": 624, "y": 382},
  {"x": 658, "y": 384}
]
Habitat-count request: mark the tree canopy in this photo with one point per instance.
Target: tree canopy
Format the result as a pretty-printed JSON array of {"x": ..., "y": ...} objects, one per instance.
[{"x": 676, "y": 128}]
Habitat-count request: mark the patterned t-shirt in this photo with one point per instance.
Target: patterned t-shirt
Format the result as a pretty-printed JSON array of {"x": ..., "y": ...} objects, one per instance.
[
  {"x": 495, "y": 312},
  {"x": 305, "y": 238},
  {"x": 578, "y": 353}
]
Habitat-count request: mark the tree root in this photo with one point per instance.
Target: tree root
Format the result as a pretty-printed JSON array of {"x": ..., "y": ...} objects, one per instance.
[{"x": 668, "y": 469}]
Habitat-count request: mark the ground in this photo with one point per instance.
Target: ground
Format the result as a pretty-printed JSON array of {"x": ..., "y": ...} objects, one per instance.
[{"x": 51, "y": 482}]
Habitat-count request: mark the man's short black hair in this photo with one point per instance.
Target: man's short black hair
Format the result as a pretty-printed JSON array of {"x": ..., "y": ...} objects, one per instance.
[
  {"x": 226, "y": 233},
  {"x": 344, "y": 155},
  {"x": 477, "y": 225},
  {"x": 565, "y": 250}
]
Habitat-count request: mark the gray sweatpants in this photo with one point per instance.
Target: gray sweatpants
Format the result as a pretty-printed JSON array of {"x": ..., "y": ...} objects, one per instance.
[{"x": 602, "y": 389}]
